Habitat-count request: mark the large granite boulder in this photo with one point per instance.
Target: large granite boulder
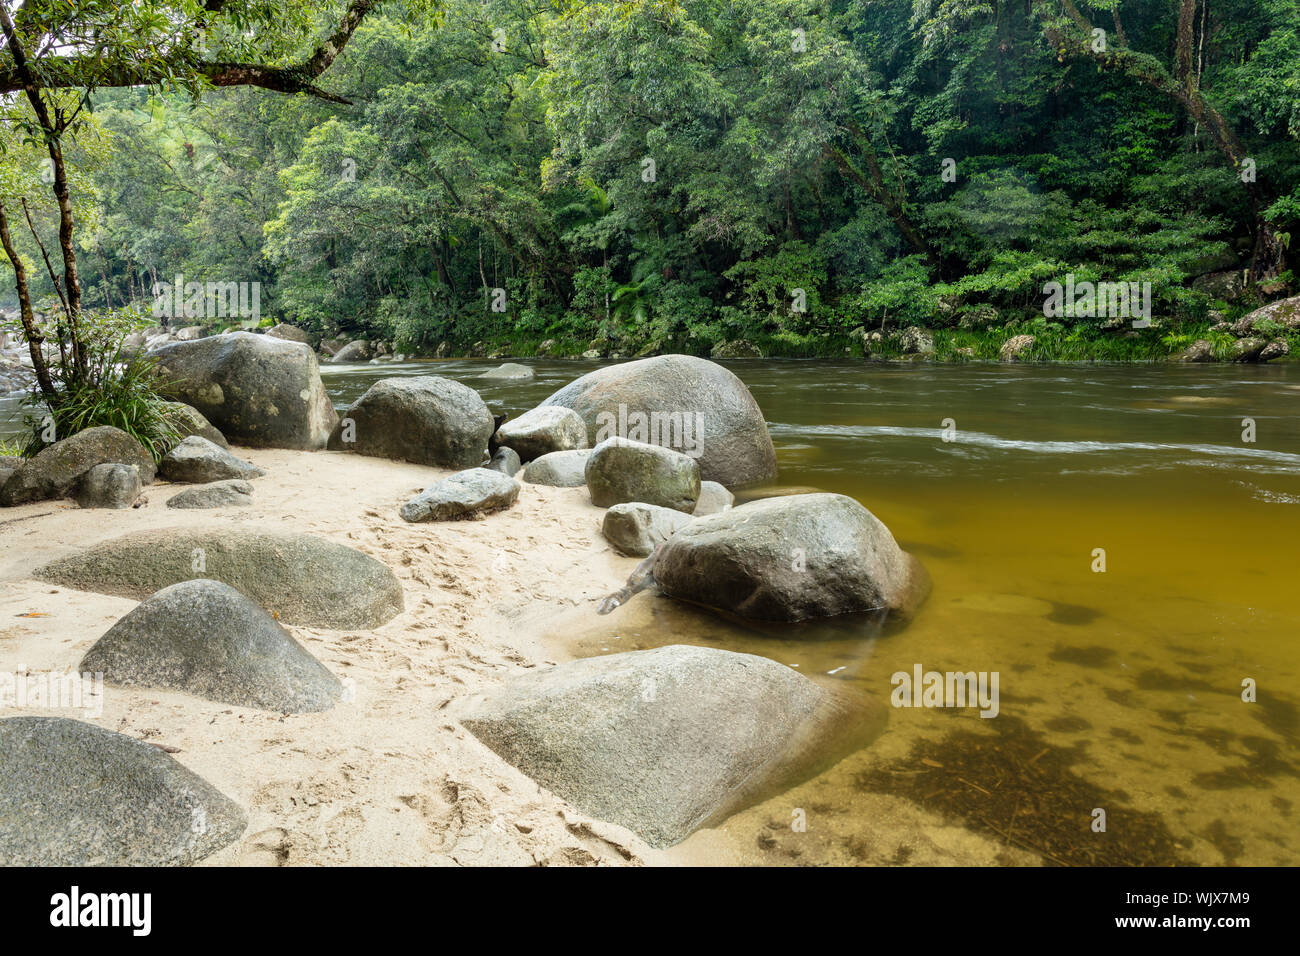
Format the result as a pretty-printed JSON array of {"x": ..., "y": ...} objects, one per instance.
[
  {"x": 304, "y": 579},
  {"x": 56, "y": 470},
  {"x": 620, "y": 471},
  {"x": 198, "y": 460},
  {"x": 540, "y": 431},
  {"x": 668, "y": 740},
  {"x": 424, "y": 419},
  {"x": 233, "y": 493},
  {"x": 73, "y": 794},
  {"x": 791, "y": 559},
  {"x": 1284, "y": 314},
  {"x": 259, "y": 391},
  {"x": 636, "y": 529},
  {"x": 467, "y": 494},
  {"x": 689, "y": 404},
  {"x": 559, "y": 469},
  {"x": 207, "y": 639},
  {"x": 114, "y": 486}
]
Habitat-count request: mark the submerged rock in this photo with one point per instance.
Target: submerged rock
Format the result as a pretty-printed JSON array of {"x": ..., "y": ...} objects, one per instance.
[
  {"x": 198, "y": 460},
  {"x": 466, "y": 494},
  {"x": 636, "y": 529},
  {"x": 680, "y": 401},
  {"x": 234, "y": 493},
  {"x": 623, "y": 471},
  {"x": 72, "y": 794},
  {"x": 540, "y": 431},
  {"x": 668, "y": 740},
  {"x": 509, "y": 372},
  {"x": 560, "y": 469},
  {"x": 306, "y": 580},
  {"x": 792, "y": 559},
  {"x": 423, "y": 419},
  {"x": 109, "y": 486},
  {"x": 259, "y": 391},
  {"x": 56, "y": 470},
  {"x": 207, "y": 639}
]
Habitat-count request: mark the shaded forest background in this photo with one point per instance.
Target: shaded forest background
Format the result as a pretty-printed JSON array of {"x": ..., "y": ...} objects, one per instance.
[{"x": 643, "y": 177}]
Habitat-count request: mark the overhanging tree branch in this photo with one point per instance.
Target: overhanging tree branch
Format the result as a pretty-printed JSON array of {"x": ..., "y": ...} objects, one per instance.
[{"x": 90, "y": 72}]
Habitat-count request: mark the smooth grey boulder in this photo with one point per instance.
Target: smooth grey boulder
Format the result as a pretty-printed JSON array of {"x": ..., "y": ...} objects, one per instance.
[
  {"x": 506, "y": 461},
  {"x": 56, "y": 470},
  {"x": 188, "y": 420},
  {"x": 668, "y": 740},
  {"x": 73, "y": 794},
  {"x": 714, "y": 499},
  {"x": 791, "y": 559},
  {"x": 306, "y": 580},
  {"x": 635, "y": 529},
  {"x": 424, "y": 419},
  {"x": 357, "y": 350},
  {"x": 620, "y": 471},
  {"x": 540, "y": 431},
  {"x": 466, "y": 494},
  {"x": 195, "y": 459},
  {"x": 109, "y": 486},
  {"x": 559, "y": 469},
  {"x": 207, "y": 639},
  {"x": 686, "y": 403},
  {"x": 509, "y": 372},
  {"x": 259, "y": 391},
  {"x": 233, "y": 493}
]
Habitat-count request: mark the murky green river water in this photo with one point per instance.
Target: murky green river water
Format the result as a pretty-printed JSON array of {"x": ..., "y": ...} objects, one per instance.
[{"x": 1120, "y": 689}]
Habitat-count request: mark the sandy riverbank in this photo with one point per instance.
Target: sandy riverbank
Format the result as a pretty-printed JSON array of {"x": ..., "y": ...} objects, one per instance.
[{"x": 391, "y": 777}]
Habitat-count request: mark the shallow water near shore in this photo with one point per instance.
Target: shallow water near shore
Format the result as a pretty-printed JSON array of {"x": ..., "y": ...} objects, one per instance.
[{"x": 1119, "y": 690}]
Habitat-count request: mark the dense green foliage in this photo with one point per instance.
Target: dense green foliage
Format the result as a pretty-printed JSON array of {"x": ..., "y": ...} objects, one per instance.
[
  {"x": 118, "y": 390},
  {"x": 651, "y": 175}
]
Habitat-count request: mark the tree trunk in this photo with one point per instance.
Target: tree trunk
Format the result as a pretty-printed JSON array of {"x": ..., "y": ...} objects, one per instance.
[{"x": 34, "y": 337}]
